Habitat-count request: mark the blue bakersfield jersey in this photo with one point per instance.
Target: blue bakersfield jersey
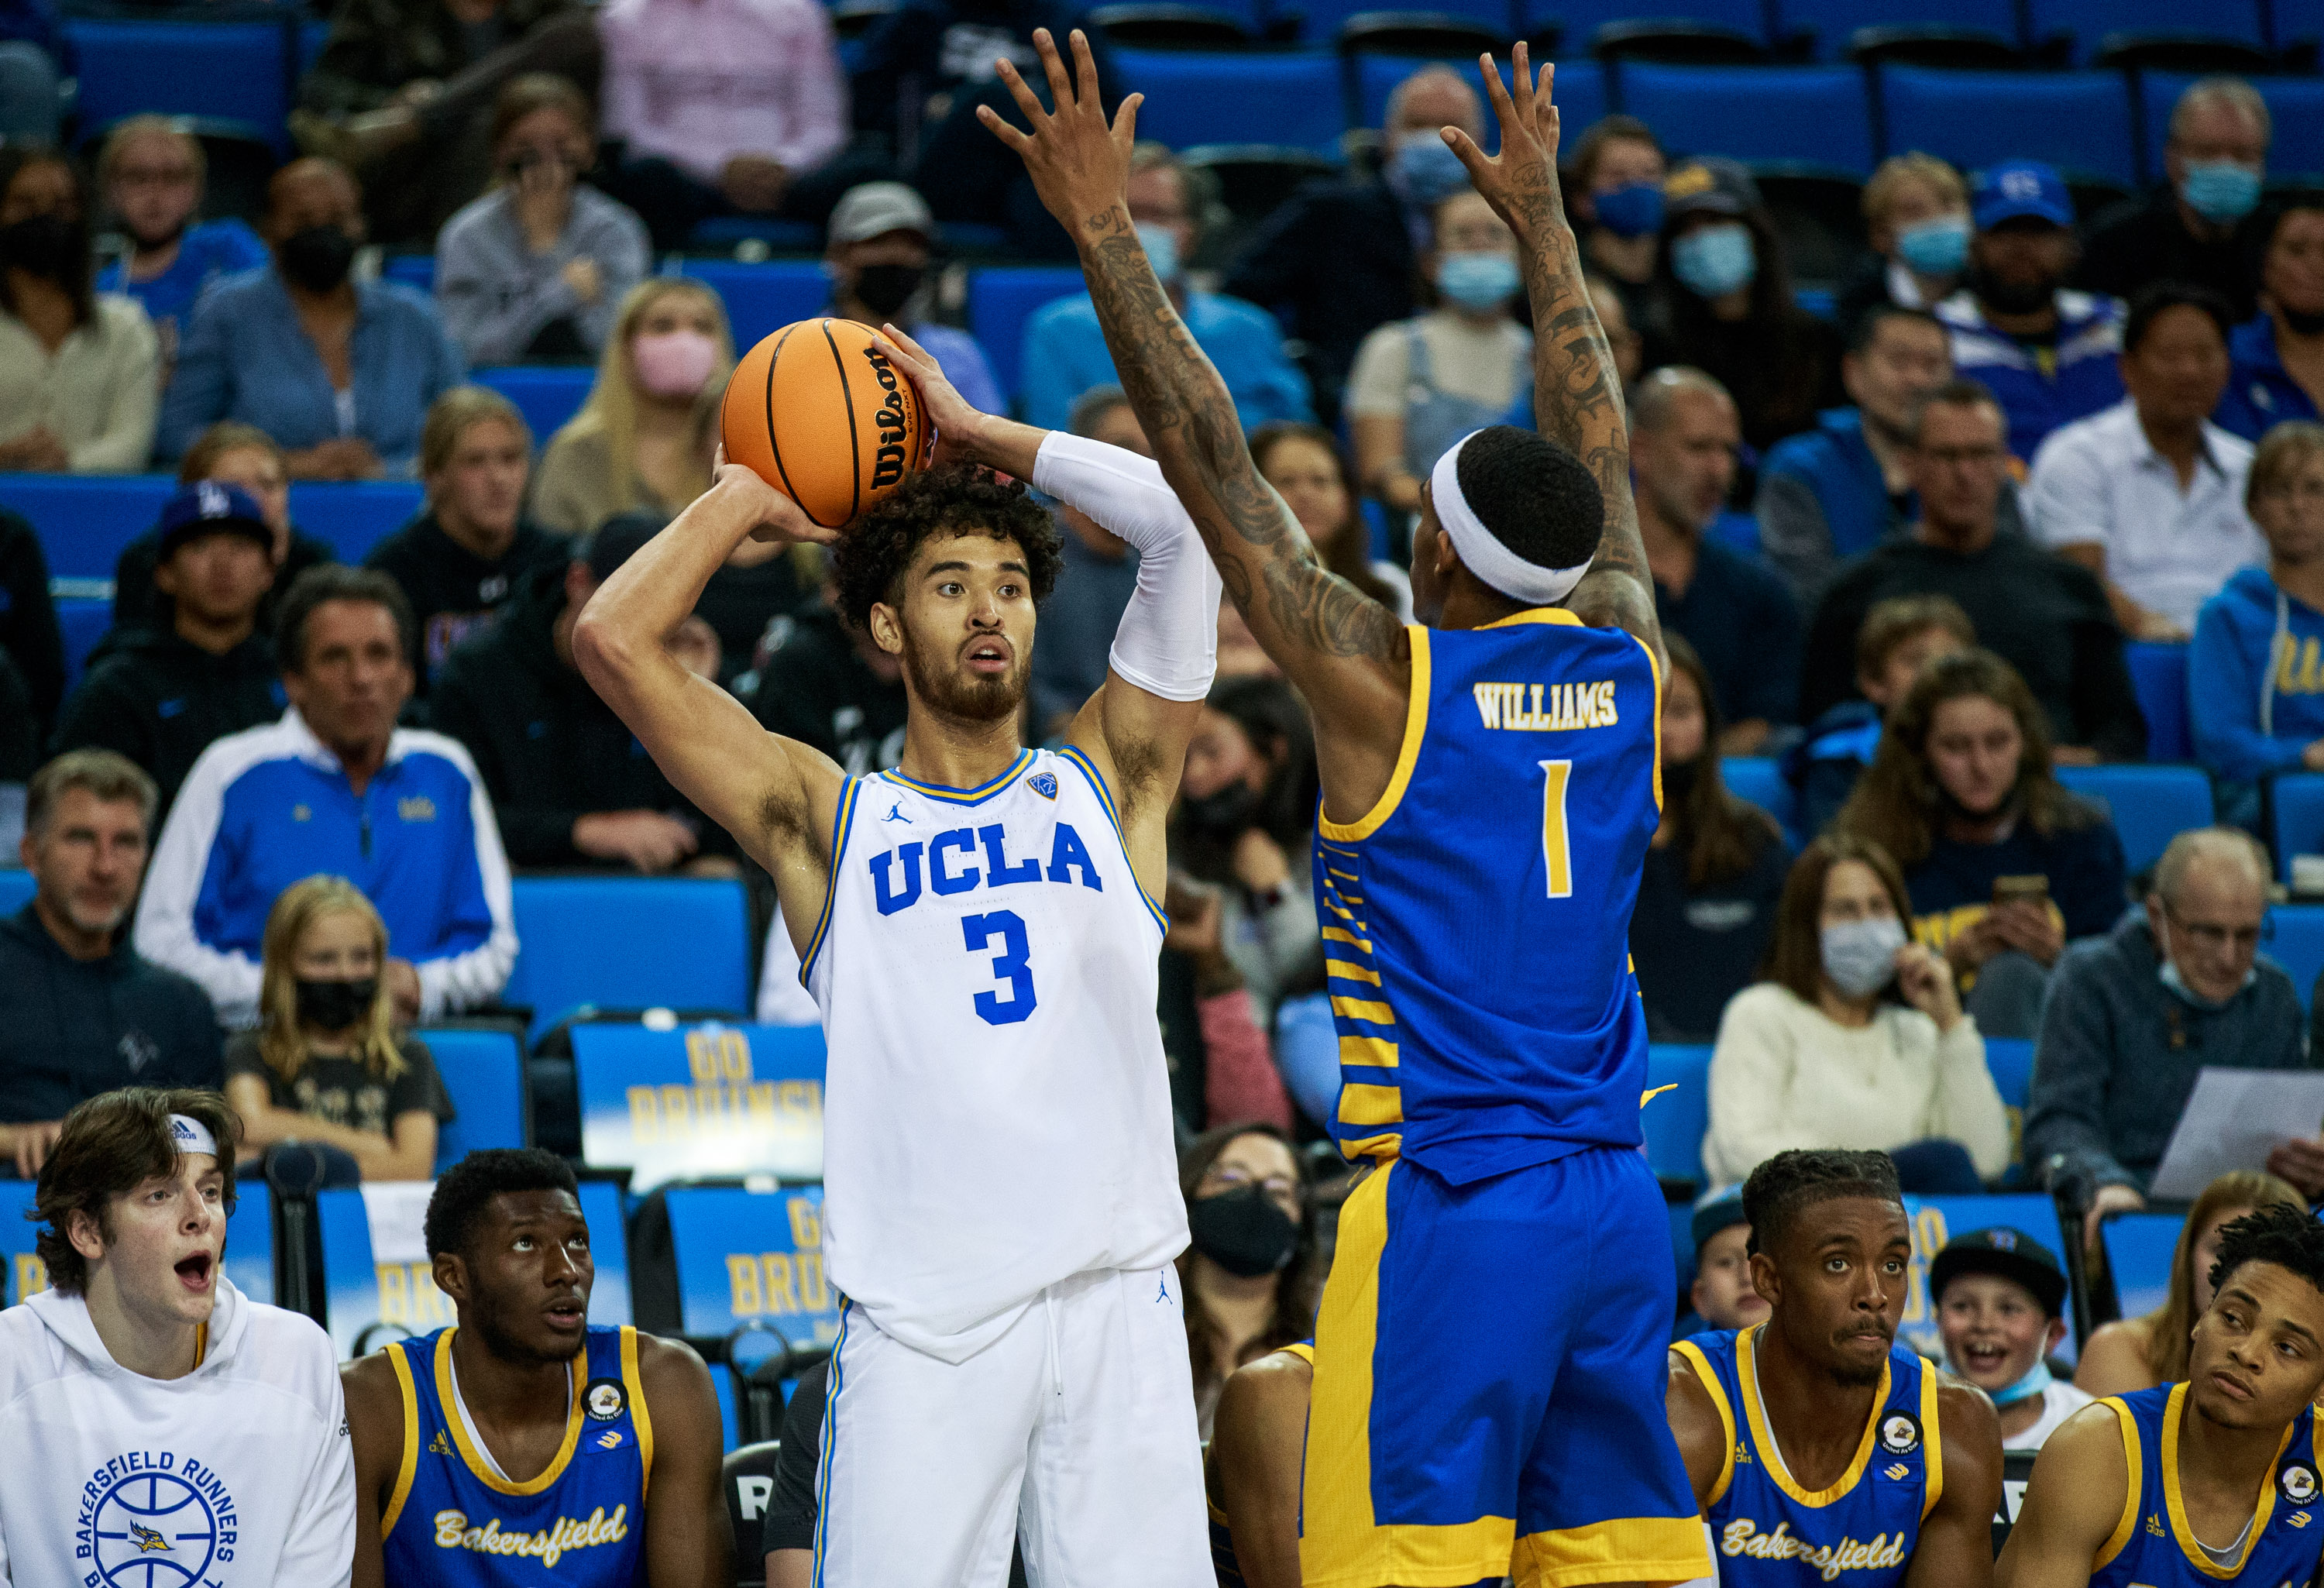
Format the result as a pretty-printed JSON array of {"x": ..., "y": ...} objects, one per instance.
[
  {"x": 449, "y": 1523},
  {"x": 2153, "y": 1546},
  {"x": 1476, "y": 921},
  {"x": 1859, "y": 1532}
]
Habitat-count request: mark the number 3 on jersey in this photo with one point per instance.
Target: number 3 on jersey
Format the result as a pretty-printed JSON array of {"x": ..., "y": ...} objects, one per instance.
[
  {"x": 1557, "y": 852},
  {"x": 1011, "y": 965}
]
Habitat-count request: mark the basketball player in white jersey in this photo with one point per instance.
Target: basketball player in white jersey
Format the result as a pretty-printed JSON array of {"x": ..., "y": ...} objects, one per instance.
[
  {"x": 161, "y": 1428},
  {"x": 979, "y": 928}
]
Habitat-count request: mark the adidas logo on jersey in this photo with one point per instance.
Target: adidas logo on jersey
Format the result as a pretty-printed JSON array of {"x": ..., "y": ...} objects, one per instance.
[
  {"x": 1568, "y": 705},
  {"x": 436, "y": 1446},
  {"x": 2154, "y": 1526}
]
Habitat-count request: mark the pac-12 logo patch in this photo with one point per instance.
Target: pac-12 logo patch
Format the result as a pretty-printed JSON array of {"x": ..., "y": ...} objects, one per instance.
[
  {"x": 1900, "y": 1432},
  {"x": 605, "y": 1400},
  {"x": 154, "y": 1526},
  {"x": 2298, "y": 1481},
  {"x": 1045, "y": 784}
]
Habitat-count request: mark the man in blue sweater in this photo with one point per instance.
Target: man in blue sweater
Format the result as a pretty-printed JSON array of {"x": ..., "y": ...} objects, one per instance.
[{"x": 336, "y": 787}]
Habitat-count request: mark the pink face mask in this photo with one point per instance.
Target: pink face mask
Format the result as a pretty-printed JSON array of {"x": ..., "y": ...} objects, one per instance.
[{"x": 674, "y": 363}]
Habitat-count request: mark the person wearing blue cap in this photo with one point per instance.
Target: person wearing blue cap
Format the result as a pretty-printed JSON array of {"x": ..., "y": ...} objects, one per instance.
[
  {"x": 2047, "y": 353},
  {"x": 161, "y": 695},
  {"x": 1723, "y": 1297}
]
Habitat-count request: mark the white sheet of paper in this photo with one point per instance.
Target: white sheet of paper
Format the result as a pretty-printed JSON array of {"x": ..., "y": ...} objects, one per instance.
[{"x": 2234, "y": 1120}]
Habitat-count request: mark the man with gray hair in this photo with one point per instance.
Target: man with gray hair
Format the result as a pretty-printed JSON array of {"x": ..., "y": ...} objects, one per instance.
[
  {"x": 2133, "y": 1016},
  {"x": 2203, "y": 226},
  {"x": 88, "y": 1013},
  {"x": 1734, "y": 611}
]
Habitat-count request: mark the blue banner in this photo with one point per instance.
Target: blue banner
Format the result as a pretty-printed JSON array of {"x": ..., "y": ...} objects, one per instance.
[{"x": 701, "y": 1102}]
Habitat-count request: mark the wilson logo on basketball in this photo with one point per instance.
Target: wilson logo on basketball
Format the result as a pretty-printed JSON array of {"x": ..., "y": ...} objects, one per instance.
[{"x": 887, "y": 465}]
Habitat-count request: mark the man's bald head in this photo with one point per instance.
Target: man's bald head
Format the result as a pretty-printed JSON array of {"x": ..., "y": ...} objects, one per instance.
[
  {"x": 2208, "y": 855},
  {"x": 1434, "y": 97},
  {"x": 312, "y": 192},
  {"x": 1657, "y": 397}
]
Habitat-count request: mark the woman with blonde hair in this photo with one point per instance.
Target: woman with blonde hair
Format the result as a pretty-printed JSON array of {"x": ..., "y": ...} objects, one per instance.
[
  {"x": 2139, "y": 1353},
  {"x": 325, "y": 1065},
  {"x": 643, "y": 440}
]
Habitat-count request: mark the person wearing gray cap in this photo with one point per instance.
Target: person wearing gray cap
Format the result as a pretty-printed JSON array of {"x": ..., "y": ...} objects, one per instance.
[{"x": 876, "y": 253}]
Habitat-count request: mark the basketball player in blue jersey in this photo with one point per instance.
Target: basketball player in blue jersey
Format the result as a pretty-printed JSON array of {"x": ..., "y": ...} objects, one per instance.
[
  {"x": 1488, "y": 794},
  {"x": 523, "y": 1445},
  {"x": 2206, "y": 1483},
  {"x": 1818, "y": 1446}
]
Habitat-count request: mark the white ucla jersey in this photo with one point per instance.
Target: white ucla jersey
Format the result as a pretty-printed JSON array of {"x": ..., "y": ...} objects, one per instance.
[{"x": 997, "y": 1114}]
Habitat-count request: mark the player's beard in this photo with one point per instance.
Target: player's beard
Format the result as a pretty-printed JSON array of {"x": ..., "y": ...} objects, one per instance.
[
  {"x": 950, "y": 690},
  {"x": 484, "y": 1318}
]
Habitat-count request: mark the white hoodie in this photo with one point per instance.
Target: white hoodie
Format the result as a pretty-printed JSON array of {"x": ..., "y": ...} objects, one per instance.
[{"x": 238, "y": 1475}]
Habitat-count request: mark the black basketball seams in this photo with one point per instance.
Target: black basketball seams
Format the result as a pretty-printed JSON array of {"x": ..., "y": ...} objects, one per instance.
[{"x": 855, "y": 445}]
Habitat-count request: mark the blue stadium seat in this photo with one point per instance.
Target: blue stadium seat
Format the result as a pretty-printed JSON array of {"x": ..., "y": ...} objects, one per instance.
[
  {"x": 763, "y": 299},
  {"x": 752, "y": 1258},
  {"x": 2010, "y": 1061},
  {"x": 415, "y": 270},
  {"x": 83, "y": 620},
  {"x": 312, "y": 36},
  {"x": 249, "y": 1242},
  {"x": 84, "y": 521},
  {"x": 2158, "y": 674},
  {"x": 1323, "y": 19},
  {"x": 2296, "y": 23},
  {"x": 2151, "y": 805},
  {"x": 2078, "y": 121},
  {"x": 999, "y": 303},
  {"x": 629, "y": 943},
  {"x": 1937, "y": 1220},
  {"x": 2139, "y": 1247},
  {"x": 2295, "y": 107},
  {"x": 781, "y": 236},
  {"x": 1759, "y": 778},
  {"x": 609, "y": 1247},
  {"x": 702, "y": 1101},
  {"x": 1581, "y": 89},
  {"x": 2092, "y": 22},
  {"x": 1578, "y": 21},
  {"x": 2299, "y": 818},
  {"x": 231, "y": 71},
  {"x": 15, "y": 889},
  {"x": 353, "y": 515},
  {"x": 1792, "y": 114},
  {"x": 1194, "y": 97},
  {"x": 2295, "y": 941},
  {"x": 546, "y": 396},
  {"x": 1834, "y": 22},
  {"x": 483, "y": 1071},
  {"x": 1677, "y": 1121}
]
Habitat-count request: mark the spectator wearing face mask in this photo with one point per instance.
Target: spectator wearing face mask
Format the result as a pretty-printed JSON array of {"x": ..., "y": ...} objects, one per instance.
[
  {"x": 1421, "y": 384},
  {"x": 1854, "y": 1038},
  {"x": 1064, "y": 352},
  {"x": 1616, "y": 181},
  {"x": 1723, "y": 303},
  {"x": 2278, "y": 371},
  {"x": 532, "y": 272},
  {"x": 1253, "y": 1275},
  {"x": 1916, "y": 220},
  {"x": 1340, "y": 255},
  {"x": 78, "y": 369},
  {"x": 876, "y": 251},
  {"x": 1721, "y": 1297},
  {"x": 340, "y": 373},
  {"x": 151, "y": 173},
  {"x": 643, "y": 440},
  {"x": 1999, "y": 1296},
  {"x": 2202, "y": 225}
]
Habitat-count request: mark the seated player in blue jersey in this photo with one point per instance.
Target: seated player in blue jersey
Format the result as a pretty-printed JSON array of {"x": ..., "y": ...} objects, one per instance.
[
  {"x": 2213, "y": 1480},
  {"x": 1818, "y": 1445},
  {"x": 1252, "y": 1467},
  {"x": 524, "y": 1445},
  {"x": 1490, "y": 793}
]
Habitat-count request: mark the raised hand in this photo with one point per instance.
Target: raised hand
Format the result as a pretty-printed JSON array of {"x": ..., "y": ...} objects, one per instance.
[
  {"x": 1080, "y": 165},
  {"x": 955, "y": 423},
  {"x": 1520, "y": 182},
  {"x": 774, "y": 516}
]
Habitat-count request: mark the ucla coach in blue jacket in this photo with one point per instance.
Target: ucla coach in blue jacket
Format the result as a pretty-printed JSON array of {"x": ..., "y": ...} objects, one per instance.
[{"x": 336, "y": 787}]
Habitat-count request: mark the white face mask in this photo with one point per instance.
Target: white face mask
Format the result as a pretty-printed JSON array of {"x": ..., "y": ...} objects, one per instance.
[
  {"x": 1860, "y": 956},
  {"x": 2170, "y": 978}
]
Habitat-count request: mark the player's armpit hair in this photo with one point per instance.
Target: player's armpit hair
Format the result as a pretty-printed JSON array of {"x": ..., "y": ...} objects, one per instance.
[
  {"x": 468, "y": 1187},
  {"x": 869, "y": 560},
  {"x": 1536, "y": 497},
  {"x": 2288, "y": 1237},
  {"x": 1790, "y": 1182}
]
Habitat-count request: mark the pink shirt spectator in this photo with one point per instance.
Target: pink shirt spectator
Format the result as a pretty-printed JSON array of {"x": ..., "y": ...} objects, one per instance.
[{"x": 698, "y": 82}]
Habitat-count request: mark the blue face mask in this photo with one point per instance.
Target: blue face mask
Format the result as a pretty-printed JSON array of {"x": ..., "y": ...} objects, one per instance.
[
  {"x": 1715, "y": 261},
  {"x": 2036, "y": 1380},
  {"x": 2177, "y": 984},
  {"x": 2221, "y": 190},
  {"x": 1477, "y": 280},
  {"x": 1425, "y": 172},
  {"x": 1161, "y": 245},
  {"x": 1631, "y": 211},
  {"x": 1937, "y": 247}
]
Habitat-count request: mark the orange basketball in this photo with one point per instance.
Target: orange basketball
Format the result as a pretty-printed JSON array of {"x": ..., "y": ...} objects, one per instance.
[{"x": 819, "y": 413}]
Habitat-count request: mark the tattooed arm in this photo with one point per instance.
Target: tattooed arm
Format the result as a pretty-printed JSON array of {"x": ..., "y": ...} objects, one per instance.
[
  {"x": 1346, "y": 653},
  {"x": 1577, "y": 397}
]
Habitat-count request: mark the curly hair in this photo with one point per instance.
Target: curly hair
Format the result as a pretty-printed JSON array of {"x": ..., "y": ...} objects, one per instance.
[
  {"x": 2288, "y": 1237},
  {"x": 955, "y": 499},
  {"x": 1780, "y": 1189}
]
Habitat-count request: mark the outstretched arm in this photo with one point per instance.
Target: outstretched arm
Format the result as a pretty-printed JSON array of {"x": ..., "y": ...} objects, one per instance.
[
  {"x": 2073, "y": 1507},
  {"x": 1346, "y": 652},
  {"x": 1577, "y": 397},
  {"x": 1956, "y": 1544}
]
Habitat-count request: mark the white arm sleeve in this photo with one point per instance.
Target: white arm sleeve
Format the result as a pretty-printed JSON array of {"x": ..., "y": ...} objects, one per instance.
[{"x": 1168, "y": 642}]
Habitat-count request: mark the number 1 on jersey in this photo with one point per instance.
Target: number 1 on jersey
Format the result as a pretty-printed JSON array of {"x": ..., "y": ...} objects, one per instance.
[
  {"x": 1011, "y": 965},
  {"x": 1557, "y": 852}
]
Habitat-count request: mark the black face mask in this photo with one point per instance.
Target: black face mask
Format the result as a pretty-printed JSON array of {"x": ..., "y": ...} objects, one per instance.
[
  {"x": 1223, "y": 815},
  {"x": 40, "y": 245},
  {"x": 1243, "y": 1232},
  {"x": 2302, "y": 325},
  {"x": 334, "y": 1006},
  {"x": 316, "y": 257},
  {"x": 2010, "y": 297},
  {"x": 883, "y": 288}
]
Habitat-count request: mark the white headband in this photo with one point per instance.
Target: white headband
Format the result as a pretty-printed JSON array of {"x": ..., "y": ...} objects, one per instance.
[
  {"x": 191, "y": 1135},
  {"x": 1483, "y": 550}
]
